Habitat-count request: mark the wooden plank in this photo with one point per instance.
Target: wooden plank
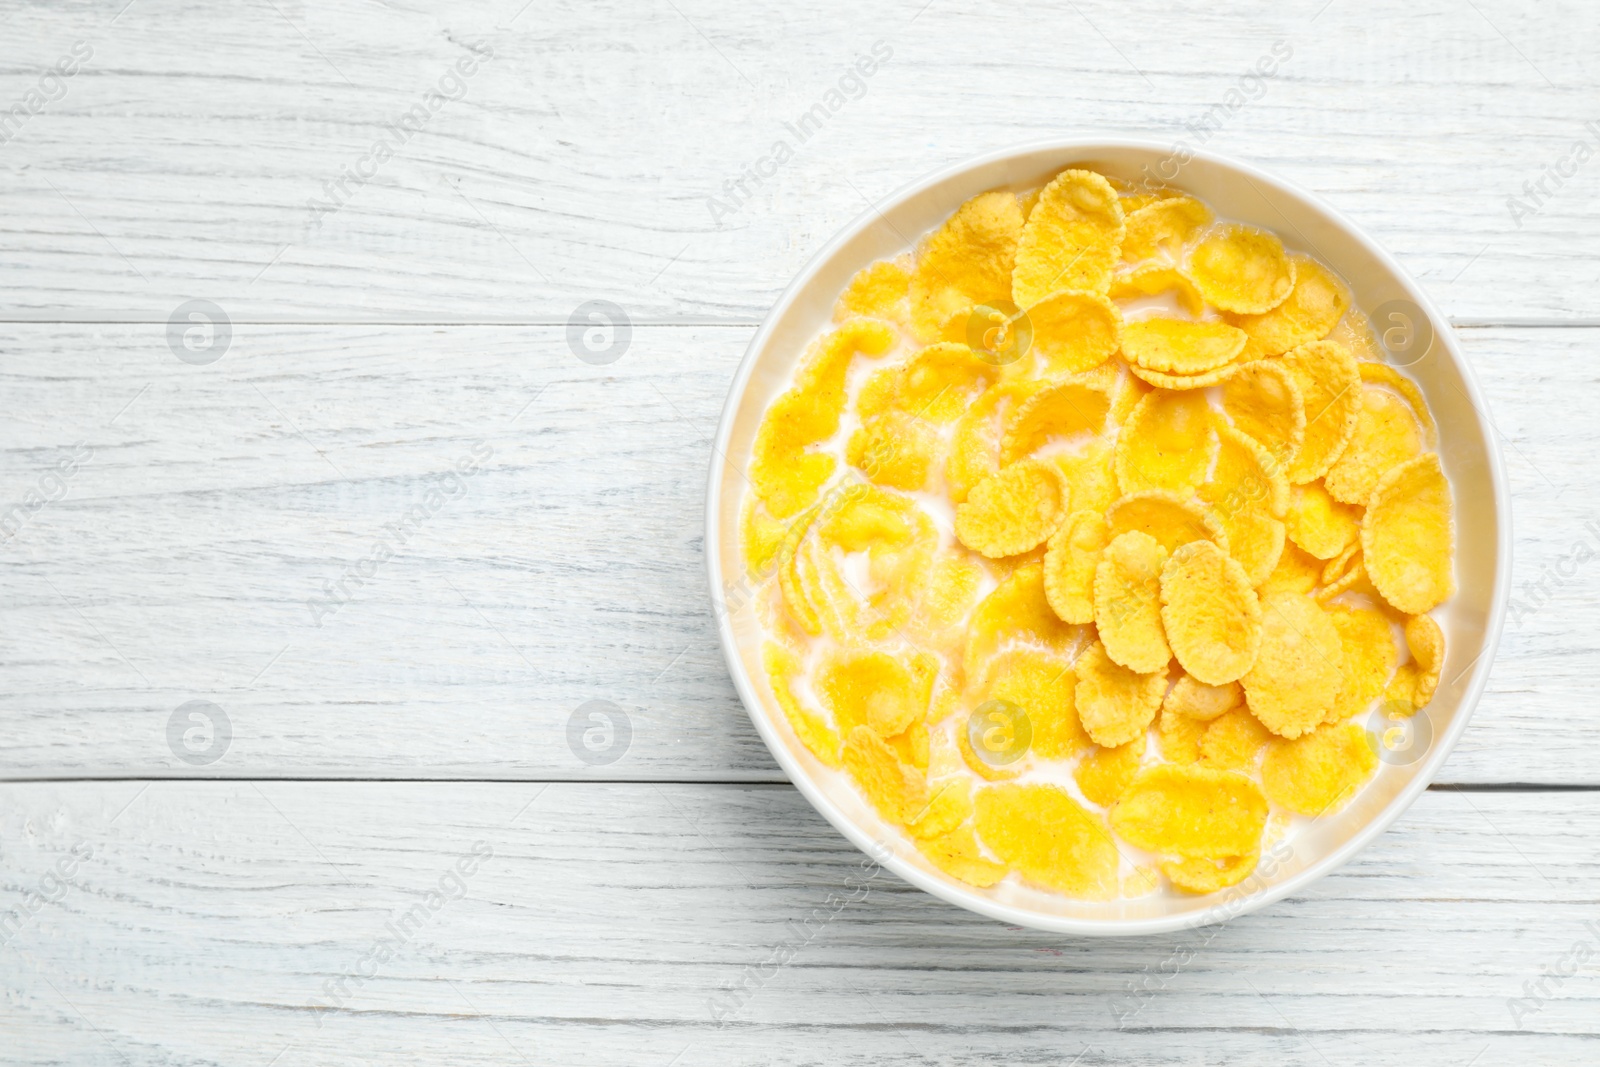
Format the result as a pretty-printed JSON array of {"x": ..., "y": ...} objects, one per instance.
[
  {"x": 604, "y": 923},
  {"x": 582, "y": 161},
  {"x": 216, "y": 501}
]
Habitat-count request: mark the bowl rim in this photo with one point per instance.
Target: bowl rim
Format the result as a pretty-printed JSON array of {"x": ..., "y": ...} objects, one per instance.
[{"x": 1231, "y": 905}]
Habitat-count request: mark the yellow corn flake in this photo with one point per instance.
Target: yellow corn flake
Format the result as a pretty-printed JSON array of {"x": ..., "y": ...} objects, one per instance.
[
  {"x": 1042, "y": 686},
  {"x": 1163, "y": 227},
  {"x": 1171, "y": 519},
  {"x": 1200, "y": 701},
  {"x": 949, "y": 805},
  {"x": 1106, "y": 773},
  {"x": 1330, "y": 385},
  {"x": 1248, "y": 494},
  {"x": 1073, "y": 238},
  {"x": 1408, "y": 536},
  {"x": 1383, "y": 374},
  {"x": 1183, "y": 382},
  {"x": 1115, "y": 705},
  {"x": 1369, "y": 658},
  {"x": 1167, "y": 443},
  {"x": 897, "y": 538},
  {"x": 1311, "y": 311},
  {"x": 761, "y": 537},
  {"x": 966, "y": 261},
  {"x": 894, "y": 449},
  {"x": 1073, "y": 331},
  {"x": 1233, "y": 741},
  {"x": 1240, "y": 269},
  {"x": 897, "y": 792},
  {"x": 1070, "y": 562},
  {"x": 1151, "y": 280},
  {"x": 913, "y": 746},
  {"x": 1126, "y": 396},
  {"x": 878, "y": 290},
  {"x": 942, "y": 381},
  {"x": 1297, "y": 673},
  {"x": 1191, "y": 812},
  {"x": 783, "y": 472},
  {"x": 1179, "y": 736},
  {"x": 1049, "y": 838},
  {"x": 1319, "y": 524},
  {"x": 1415, "y": 683},
  {"x": 1263, "y": 400},
  {"x": 783, "y": 666},
  {"x": 1318, "y": 773},
  {"x": 1012, "y": 511},
  {"x": 1342, "y": 564},
  {"x": 958, "y": 855},
  {"x": 1295, "y": 573},
  {"x": 1352, "y": 579},
  {"x": 875, "y": 689},
  {"x": 975, "y": 446},
  {"x": 952, "y": 587},
  {"x": 1210, "y": 612},
  {"x": 1127, "y": 602},
  {"x": 1062, "y": 411},
  {"x": 1015, "y": 611},
  {"x": 1176, "y": 346},
  {"x": 1209, "y": 876},
  {"x": 1091, "y": 477},
  {"x": 1385, "y": 436}
]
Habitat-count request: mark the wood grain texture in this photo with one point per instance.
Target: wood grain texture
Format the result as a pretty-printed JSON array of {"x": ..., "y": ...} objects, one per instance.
[
  {"x": 580, "y": 161},
  {"x": 600, "y": 920},
  {"x": 218, "y": 500}
]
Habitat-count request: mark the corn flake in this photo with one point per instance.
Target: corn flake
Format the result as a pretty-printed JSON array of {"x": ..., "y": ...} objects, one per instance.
[
  {"x": 1407, "y": 536},
  {"x": 878, "y": 291},
  {"x": 1385, "y": 436},
  {"x": 966, "y": 261},
  {"x": 1106, "y": 773},
  {"x": 897, "y": 791},
  {"x": 1115, "y": 705},
  {"x": 1192, "y": 812},
  {"x": 1073, "y": 331},
  {"x": 1049, "y": 838},
  {"x": 1312, "y": 309},
  {"x": 1070, "y": 562},
  {"x": 1263, "y": 400},
  {"x": 1176, "y": 346},
  {"x": 1210, "y": 612},
  {"x": 1330, "y": 385},
  {"x": 1319, "y": 524},
  {"x": 1240, "y": 269},
  {"x": 1415, "y": 683},
  {"x": 1369, "y": 658},
  {"x": 1072, "y": 240},
  {"x": 1127, "y": 602},
  {"x": 1297, "y": 674},
  {"x": 1164, "y": 226},
  {"x": 1167, "y": 443},
  {"x": 1153, "y": 279},
  {"x": 1233, "y": 740},
  {"x": 1197, "y": 875},
  {"x": 958, "y": 855},
  {"x": 1061, "y": 411},
  {"x": 1014, "y": 510},
  {"x": 1200, "y": 701},
  {"x": 1319, "y": 772}
]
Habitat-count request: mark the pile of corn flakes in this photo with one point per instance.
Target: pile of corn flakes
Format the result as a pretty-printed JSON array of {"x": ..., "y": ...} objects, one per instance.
[{"x": 1086, "y": 533}]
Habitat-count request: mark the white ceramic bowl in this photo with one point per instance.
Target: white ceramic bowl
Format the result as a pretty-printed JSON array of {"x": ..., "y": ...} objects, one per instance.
[{"x": 1467, "y": 447}]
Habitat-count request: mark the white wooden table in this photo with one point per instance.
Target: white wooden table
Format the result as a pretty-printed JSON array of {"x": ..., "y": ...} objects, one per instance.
[{"x": 391, "y": 854}]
